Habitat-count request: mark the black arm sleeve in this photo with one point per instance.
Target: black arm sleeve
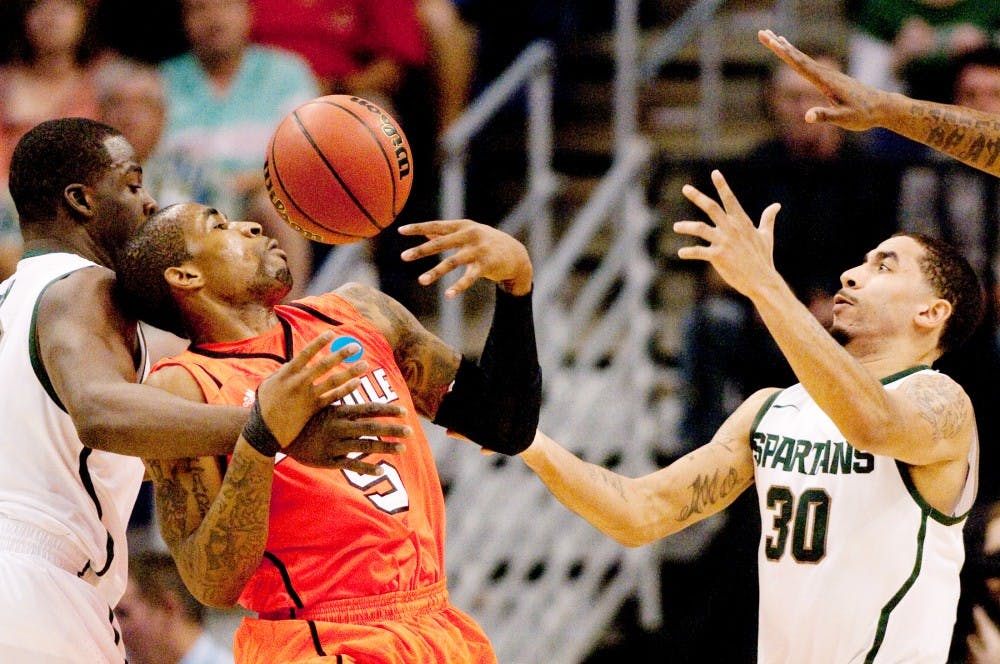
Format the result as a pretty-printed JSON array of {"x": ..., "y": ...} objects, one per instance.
[{"x": 496, "y": 401}]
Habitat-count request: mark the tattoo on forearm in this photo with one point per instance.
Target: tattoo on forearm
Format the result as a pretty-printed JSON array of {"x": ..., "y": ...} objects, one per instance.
[
  {"x": 706, "y": 490},
  {"x": 232, "y": 545},
  {"x": 964, "y": 134},
  {"x": 609, "y": 479},
  {"x": 214, "y": 538}
]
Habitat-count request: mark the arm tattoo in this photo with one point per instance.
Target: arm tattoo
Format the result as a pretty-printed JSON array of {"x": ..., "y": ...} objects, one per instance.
[
  {"x": 214, "y": 538},
  {"x": 963, "y": 134},
  {"x": 231, "y": 546},
  {"x": 178, "y": 483},
  {"x": 941, "y": 404},
  {"x": 428, "y": 364},
  {"x": 706, "y": 490},
  {"x": 709, "y": 488},
  {"x": 603, "y": 476}
]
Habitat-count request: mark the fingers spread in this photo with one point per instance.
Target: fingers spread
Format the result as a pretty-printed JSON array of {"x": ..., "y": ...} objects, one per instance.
[
  {"x": 729, "y": 200},
  {"x": 302, "y": 358},
  {"x": 469, "y": 277},
  {"x": 433, "y": 228},
  {"x": 339, "y": 391},
  {"x": 703, "y": 202},
  {"x": 696, "y": 229}
]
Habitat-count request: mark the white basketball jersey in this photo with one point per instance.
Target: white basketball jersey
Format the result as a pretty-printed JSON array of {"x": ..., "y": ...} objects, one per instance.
[
  {"x": 855, "y": 566},
  {"x": 48, "y": 479}
]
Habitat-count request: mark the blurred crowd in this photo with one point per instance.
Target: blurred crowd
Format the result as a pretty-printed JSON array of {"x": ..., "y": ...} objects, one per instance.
[{"x": 197, "y": 86}]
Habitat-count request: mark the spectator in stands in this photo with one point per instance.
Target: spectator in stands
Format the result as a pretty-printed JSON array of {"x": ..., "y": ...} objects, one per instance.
[
  {"x": 162, "y": 623},
  {"x": 977, "y": 629},
  {"x": 895, "y": 43},
  {"x": 49, "y": 74},
  {"x": 905, "y": 45},
  {"x": 225, "y": 97},
  {"x": 131, "y": 98},
  {"x": 948, "y": 199},
  {"x": 361, "y": 47},
  {"x": 46, "y": 75}
]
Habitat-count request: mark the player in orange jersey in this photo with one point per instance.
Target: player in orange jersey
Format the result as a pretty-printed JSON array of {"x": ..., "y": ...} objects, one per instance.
[{"x": 336, "y": 563}]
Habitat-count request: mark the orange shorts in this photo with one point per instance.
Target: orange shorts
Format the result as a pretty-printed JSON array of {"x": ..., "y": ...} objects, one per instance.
[{"x": 395, "y": 628}]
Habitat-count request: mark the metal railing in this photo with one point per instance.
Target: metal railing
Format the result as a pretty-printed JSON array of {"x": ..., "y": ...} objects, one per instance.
[{"x": 532, "y": 70}]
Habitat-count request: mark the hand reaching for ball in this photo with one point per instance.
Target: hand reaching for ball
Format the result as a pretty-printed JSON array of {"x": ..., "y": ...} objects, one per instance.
[{"x": 484, "y": 251}]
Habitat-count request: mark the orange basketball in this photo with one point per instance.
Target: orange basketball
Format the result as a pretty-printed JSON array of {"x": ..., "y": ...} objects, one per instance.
[{"x": 338, "y": 169}]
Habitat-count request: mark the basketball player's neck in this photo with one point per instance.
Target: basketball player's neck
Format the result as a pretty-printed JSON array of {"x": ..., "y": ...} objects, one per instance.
[
  {"x": 72, "y": 241},
  {"x": 218, "y": 322}
]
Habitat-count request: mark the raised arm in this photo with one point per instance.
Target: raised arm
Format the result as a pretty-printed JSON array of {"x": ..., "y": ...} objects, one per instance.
[
  {"x": 494, "y": 402},
  {"x": 642, "y": 510},
  {"x": 970, "y": 136},
  {"x": 87, "y": 349},
  {"x": 216, "y": 527},
  {"x": 927, "y": 421}
]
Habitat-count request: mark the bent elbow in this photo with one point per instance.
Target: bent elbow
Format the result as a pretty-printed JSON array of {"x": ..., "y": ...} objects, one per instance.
[
  {"x": 630, "y": 541},
  {"x": 631, "y": 537}
]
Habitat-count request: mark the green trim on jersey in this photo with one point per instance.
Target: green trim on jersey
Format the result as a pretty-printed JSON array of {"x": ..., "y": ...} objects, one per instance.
[
  {"x": 903, "y": 374},
  {"x": 33, "y": 253},
  {"x": 940, "y": 517},
  {"x": 883, "y": 621},
  {"x": 35, "y": 354},
  {"x": 763, "y": 411}
]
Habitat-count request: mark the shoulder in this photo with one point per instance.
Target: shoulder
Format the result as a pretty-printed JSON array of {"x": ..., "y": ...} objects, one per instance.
[
  {"x": 177, "y": 65},
  {"x": 940, "y": 400},
  {"x": 176, "y": 379},
  {"x": 382, "y": 311},
  {"x": 88, "y": 292},
  {"x": 281, "y": 61},
  {"x": 753, "y": 409}
]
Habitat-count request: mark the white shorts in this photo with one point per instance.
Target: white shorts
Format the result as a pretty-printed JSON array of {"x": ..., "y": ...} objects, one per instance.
[{"x": 48, "y": 615}]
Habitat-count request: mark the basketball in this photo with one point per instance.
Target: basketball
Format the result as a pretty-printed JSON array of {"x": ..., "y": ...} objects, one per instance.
[{"x": 338, "y": 169}]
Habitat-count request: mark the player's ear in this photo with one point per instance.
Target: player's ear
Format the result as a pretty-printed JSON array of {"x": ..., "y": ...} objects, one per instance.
[
  {"x": 76, "y": 197},
  {"x": 184, "y": 277},
  {"x": 934, "y": 313}
]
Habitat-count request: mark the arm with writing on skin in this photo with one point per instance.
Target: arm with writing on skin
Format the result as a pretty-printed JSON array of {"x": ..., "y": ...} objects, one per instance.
[
  {"x": 637, "y": 511},
  {"x": 970, "y": 136}
]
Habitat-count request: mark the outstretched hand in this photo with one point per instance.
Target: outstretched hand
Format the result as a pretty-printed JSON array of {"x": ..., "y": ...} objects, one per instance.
[
  {"x": 484, "y": 251},
  {"x": 854, "y": 105},
  {"x": 295, "y": 403},
  {"x": 739, "y": 251}
]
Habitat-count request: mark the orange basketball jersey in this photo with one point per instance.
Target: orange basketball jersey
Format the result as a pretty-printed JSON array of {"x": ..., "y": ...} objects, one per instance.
[{"x": 334, "y": 534}]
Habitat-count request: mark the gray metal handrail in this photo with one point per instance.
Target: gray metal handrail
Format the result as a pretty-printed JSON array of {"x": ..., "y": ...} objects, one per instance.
[{"x": 532, "y": 69}]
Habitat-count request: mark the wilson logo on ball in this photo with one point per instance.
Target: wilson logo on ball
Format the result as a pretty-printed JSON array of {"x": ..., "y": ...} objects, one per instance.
[
  {"x": 338, "y": 169},
  {"x": 389, "y": 129}
]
